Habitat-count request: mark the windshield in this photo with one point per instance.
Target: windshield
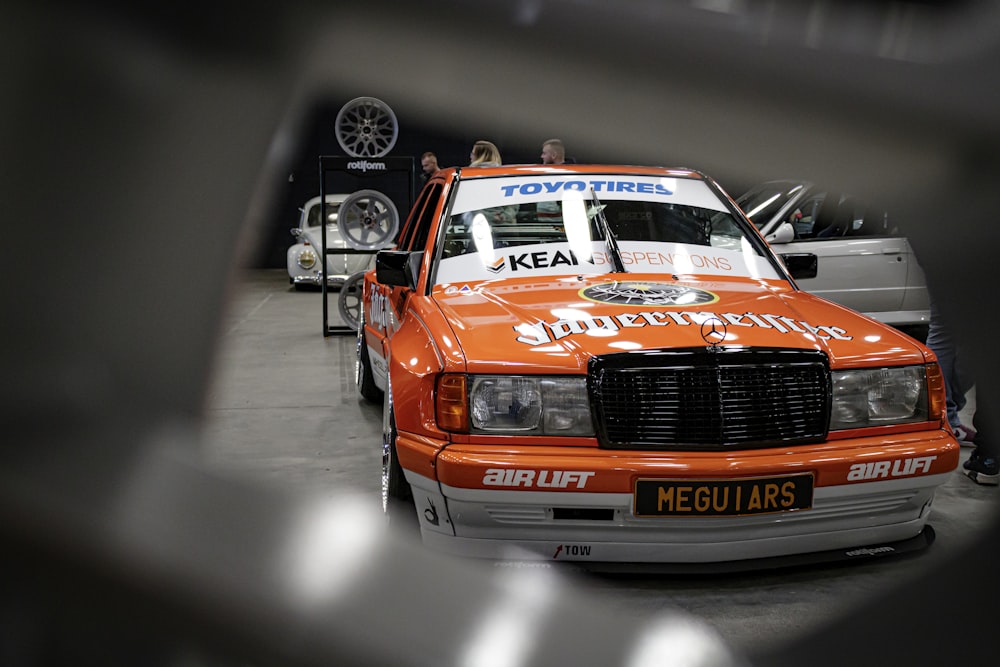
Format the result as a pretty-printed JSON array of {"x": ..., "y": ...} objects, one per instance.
[
  {"x": 316, "y": 212},
  {"x": 765, "y": 201},
  {"x": 552, "y": 225}
]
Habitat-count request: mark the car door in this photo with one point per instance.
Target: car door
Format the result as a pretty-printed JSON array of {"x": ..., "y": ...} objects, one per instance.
[
  {"x": 384, "y": 304},
  {"x": 861, "y": 262}
]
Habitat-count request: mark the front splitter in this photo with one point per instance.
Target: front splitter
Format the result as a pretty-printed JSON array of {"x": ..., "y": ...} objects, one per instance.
[{"x": 856, "y": 554}]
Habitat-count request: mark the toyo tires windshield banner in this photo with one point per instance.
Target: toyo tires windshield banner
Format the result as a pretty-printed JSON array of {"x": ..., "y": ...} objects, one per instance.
[
  {"x": 485, "y": 192},
  {"x": 560, "y": 225}
]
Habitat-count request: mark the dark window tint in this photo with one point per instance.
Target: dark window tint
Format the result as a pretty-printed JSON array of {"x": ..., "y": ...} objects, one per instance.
[
  {"x": 763, "y": 202},
  {"x": 414, "y": 236}
]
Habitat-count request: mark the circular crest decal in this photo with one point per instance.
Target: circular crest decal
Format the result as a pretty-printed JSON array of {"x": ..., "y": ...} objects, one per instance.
[{"x": 648, "y": 294}]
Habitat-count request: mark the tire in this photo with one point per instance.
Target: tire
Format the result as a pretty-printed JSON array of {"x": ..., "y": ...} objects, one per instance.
[
  {"x": 364, "y": 376},
  {"x": 394, "y": 483},
  {"x": 349, "y": 301},
  {"x": 397, "y": 497}
]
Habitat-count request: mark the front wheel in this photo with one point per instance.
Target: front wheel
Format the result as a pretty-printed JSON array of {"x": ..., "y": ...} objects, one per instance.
[
  {"x": 397, "y": 497},
  {"x": 394, "y": 483},
  {"x": 364, "y": 376}
]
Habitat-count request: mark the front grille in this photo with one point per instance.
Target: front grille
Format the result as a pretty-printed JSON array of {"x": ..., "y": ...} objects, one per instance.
[{"x": 710, "y": 398}]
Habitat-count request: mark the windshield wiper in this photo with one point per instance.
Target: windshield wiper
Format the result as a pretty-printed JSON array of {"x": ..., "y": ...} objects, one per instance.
[{"x": 609, "y": 238}]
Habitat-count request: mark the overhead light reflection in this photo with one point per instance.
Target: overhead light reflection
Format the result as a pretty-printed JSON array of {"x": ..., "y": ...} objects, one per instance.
[
  {"x": 550, "y": 348},
  {"x": 682, "y": 260},
  {"x": 757, "y": 209},
  {"x": 577, "y": 225},
  {"x": 681, "y": 642},
  {"x": 688, "y": 298},
  {"x": 750, "y": 258},
  {"x": 510, "y": 628},
  {"x": 625, "y": 345},
  {"x": 482, "y": 238},
  {"x": 670, "y": 184},
  {"x": 331, "y": 541}
]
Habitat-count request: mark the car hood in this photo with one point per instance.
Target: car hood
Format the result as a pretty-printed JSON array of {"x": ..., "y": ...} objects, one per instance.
[{"x": 558, "y": 324}]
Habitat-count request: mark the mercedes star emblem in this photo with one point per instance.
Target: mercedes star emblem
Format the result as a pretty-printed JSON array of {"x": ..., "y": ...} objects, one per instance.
[{"x": 713, "y": 331}]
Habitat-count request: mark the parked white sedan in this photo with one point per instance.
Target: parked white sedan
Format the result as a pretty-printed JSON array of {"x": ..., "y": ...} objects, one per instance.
[
  {"x": 303, "y": 258},
  {"x": 862, "y": 261}
]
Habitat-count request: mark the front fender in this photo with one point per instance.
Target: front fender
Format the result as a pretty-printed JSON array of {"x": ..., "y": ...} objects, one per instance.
[
  {"x": 292, "y": 260},
  {"x": 415, "y": 362}
]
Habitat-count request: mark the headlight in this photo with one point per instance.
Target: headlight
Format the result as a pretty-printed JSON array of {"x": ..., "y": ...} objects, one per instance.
[
  {"x": 307, "y": 258},
  {"x": 525, "y": 405},
  {"x": 878, "y": 396}
]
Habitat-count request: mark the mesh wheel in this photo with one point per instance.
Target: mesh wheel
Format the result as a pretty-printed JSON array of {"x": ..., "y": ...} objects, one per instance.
[
  {"x": 366, "y": 127},
  {"x": 368, "y": 220}
]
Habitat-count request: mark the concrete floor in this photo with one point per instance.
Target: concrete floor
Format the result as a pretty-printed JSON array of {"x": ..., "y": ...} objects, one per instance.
[{"x": 283, "y": 410}]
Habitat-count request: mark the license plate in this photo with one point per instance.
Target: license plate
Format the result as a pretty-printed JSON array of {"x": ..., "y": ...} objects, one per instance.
[{"x": 723, "y": 497}]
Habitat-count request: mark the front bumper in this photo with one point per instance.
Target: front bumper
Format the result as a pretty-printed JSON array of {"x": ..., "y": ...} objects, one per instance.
[
  {"x": 315, "y": 279},
  {"x": 597, "y": 522}
]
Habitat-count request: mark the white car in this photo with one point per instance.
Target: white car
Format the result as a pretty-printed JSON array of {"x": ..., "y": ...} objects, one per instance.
[
  {"x": 304, "y": 268},
  {"x": 861, "y": 259}
]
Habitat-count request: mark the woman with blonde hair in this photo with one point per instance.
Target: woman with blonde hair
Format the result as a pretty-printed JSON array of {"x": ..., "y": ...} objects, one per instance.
[{"x": 484, "y": 154}]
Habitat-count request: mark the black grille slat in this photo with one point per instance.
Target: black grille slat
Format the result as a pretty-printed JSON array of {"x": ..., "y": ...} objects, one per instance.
[{"x": 710, "y": 398}]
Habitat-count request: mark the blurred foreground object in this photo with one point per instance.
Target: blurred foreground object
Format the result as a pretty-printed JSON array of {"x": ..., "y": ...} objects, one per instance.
[{"x": 135, "y": 132}]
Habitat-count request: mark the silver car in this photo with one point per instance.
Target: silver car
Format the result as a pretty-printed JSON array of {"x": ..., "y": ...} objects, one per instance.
[
  {"x": 861, "y": 259},
  {"x": 303, "y": 258}
]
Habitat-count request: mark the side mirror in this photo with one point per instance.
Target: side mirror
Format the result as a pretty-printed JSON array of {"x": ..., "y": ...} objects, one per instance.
[
  {"x": 801, "y": 264},
  {"x": 398, "y": 268},
  {"x": 296, "y": 232},
  {"x": 785, "y": 233}
]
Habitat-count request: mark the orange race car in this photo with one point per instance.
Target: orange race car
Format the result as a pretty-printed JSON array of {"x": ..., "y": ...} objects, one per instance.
[{"x": 608, "y": 364}]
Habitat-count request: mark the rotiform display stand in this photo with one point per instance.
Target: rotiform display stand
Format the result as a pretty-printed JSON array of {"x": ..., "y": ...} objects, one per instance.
[{"x": 368, "y": 220}]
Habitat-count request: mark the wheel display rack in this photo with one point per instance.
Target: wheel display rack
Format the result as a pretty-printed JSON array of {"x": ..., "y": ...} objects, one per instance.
[{"x": 376, "y": 174}]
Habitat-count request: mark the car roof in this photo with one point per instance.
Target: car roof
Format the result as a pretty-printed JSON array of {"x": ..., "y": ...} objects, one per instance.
[
  {"x": 536, "y": 169},
  {"x": 330, "y": 198}
]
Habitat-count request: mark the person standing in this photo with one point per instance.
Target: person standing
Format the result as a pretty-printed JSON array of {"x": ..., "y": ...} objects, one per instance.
[
  {"x": 553, "y": 152},
  {"x": 429, "y": 165},
  {"x": 983, "y": 464},
  {"x": 484, "y": 154},
  {"x": 957, "y": 381}
]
